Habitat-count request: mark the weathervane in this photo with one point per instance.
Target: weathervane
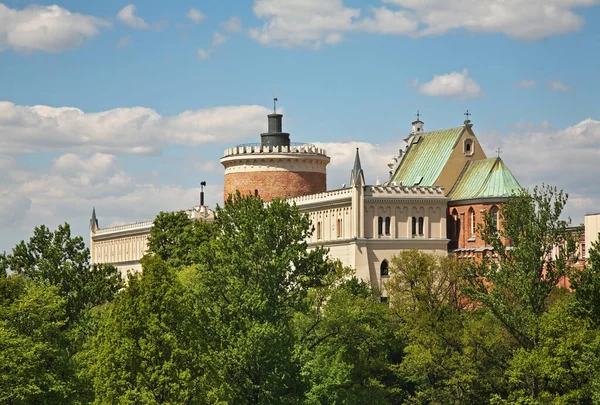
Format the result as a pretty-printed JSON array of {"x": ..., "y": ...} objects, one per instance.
[{"x": 275, "y": 105}]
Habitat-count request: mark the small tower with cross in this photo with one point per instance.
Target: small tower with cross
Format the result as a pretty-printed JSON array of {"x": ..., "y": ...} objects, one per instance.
[{"x": 417, "y": 126}]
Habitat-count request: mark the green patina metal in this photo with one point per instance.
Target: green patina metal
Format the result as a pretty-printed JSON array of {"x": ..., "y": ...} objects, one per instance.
[
  {"x": 426, "y": 158},
  {"x": 485, "y": 178}
]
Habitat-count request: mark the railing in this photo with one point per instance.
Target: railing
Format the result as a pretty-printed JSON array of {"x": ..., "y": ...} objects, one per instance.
[
  {"x": 126, "y": 227},
  {"x": 292, "y": 144}
]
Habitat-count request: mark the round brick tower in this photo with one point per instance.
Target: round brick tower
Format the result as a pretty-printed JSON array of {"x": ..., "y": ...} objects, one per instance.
[{"x": 275, "y": 167}]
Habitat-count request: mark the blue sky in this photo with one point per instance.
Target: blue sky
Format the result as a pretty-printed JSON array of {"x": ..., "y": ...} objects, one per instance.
[{"x": 136, "y": 101}]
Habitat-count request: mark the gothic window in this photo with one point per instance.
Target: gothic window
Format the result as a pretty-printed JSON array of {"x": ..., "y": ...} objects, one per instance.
[
  {"x": 318, "y": 230},
  {"x": 421, "y": 225},
  {"x": 339, "y": 228},
  {"x": 388, "y": 223},
  {"x": 384, "y": 268},
  {"x": 494, "y": 213},
  {"x": 380, "y": 226},
  {"x": 472, "y": 221},
  {"x": 456, "y": 223},
  {"x": 414, "y": 226}
]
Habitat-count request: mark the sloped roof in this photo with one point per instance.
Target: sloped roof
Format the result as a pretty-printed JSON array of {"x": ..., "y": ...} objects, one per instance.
[
  {"x": 357, "y": 172},
  {"x": 426, "y": 158},
  {"x": 485, "y": 178}
]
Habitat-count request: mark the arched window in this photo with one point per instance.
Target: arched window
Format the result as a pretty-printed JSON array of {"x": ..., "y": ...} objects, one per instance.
[
  {"x": 494, "y": 213},
  {"x": 339, "y": 228},
  {"x": 421, "y": 225},
  {"x": 472, "y": 221},
  {"x": 388, "y": 223},
  {"x": 318, "y": 230},
  {"x": 456, "y": 223},
  {"x": 380, "y": 226},
  {"x": 414, "y": 225},
  {"x": 384, "y": 268}
]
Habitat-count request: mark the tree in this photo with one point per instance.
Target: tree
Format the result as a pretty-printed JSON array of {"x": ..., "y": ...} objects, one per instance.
[
  {"x": 34, "y": 362},
  {"x": 347, "y": 346},
  {"x": 586, "y": 283},
  {"x": 176, "y": 238},
  {"x": 515, "y": 283},
  {"x": 63, "y": 261},
  {"x": 253, "y": 276},
  {"x": 452, "y": 352},
  {"x": 149, "y": 344}
]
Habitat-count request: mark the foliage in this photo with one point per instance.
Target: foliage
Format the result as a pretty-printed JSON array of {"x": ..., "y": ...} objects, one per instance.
[
  {"x": 586, "y": 283},
  {"x": 176, "y": 238},
  {"x": 63, "y": 261},
  {"x": 34, "y": 364},
  {"x": 516, "y": 284},
  {"x": 253, "y": 275},
  {"x": 147, "y": 347}
]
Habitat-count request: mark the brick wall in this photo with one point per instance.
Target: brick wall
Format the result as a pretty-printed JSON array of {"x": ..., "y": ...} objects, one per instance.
[
  {"x": 273, "y": 184},
  {"x": 465, "y": 237}
]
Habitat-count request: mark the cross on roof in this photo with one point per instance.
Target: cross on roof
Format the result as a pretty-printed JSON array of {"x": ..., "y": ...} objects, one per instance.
[
  {"x": 498, "y": 151},
  {"x": 418, "y": 116},
  {"x": 468, "y": 114}
]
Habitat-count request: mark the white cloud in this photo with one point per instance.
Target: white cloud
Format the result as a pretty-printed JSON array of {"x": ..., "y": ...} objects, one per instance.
[
  {"x": 525, "y": 84},
  {"x": 127, "y": 16},
  {"x": 218, "y": 39},
  {"x": 46, "y": 28},
  {"x": 521, "y": 19},
  {"x": 232, "y": 25},
  {"x": 565, "y": 158},
  {"x": 124, "y": 42},
  {"x": 558, "y": 86},
  {"x": 196, "y": 15},
  {"x": 134, "y": 130},
  {"x": 456, "y": 85},
  {"x": 312, "y": 23},
  {"x": 203, "y": 54}
]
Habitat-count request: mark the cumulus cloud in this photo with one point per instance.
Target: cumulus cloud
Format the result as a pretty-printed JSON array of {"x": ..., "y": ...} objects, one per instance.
[
  {"x": 312, "y": 23},
  {"x": 525, "y": 84},
  {"x": 455, "y": 85},
  {"x": 134, "y": 130},
  {"x": 46, "y": 28},
  {"x": 558, "y": 86},
  {"x": 203, "y": 54},
  {"x": 124, "y": 42},
  {"x": 218, "y": 39},
  {"x": 232, "y": 25},
  {"x": 127, "y": 16},
  {"x": 196, "y": 15}
]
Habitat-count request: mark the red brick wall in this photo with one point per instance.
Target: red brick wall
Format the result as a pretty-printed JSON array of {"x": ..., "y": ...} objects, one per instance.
[
  {"x": 271, "y": 185},
  {"x": 464, "y": 238}
]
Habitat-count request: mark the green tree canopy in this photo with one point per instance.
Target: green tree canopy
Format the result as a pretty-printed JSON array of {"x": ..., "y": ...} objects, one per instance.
[
  {"x": 63, "y": 261},
  {"x": 176, "y": 238}
]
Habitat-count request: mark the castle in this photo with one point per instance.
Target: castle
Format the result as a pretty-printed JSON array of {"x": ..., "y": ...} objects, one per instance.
[{"x": 440, "y": 185}]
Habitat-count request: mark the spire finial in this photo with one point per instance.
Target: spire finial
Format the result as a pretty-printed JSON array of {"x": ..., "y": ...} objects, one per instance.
[
  {"x": 498, "y": 151},
  {"x": 275, "y": 105},
  {"x": 418, "y": 116},
  {"x": 468, "y": 114}
]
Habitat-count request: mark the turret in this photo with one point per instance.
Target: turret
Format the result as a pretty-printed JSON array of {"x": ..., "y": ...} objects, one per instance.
[
  {"x": 94, "y": 221},
  {"x": 275, "y": 136}
]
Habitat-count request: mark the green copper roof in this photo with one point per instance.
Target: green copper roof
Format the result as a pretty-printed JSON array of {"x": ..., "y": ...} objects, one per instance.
[
  {"x": 425, "y": 159},
  {"x": 485, "y": 178}
]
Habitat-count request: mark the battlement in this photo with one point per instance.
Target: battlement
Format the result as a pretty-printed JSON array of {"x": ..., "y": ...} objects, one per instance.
[
  {"x": 408, "y": 191},
  {"x": 341, "y": 193},
  {"x": 126, "y": 227},
  {"x": 258, "y": 149}
]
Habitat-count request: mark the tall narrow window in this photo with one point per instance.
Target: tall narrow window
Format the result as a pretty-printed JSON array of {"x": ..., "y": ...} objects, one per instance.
[
  {"x": 339, "y": 228},
  {"x": 384, "y": 268},
  {"x": 388, "y": 223},
  {"x": 472, "y": 221},
  {"x": 414, "y": 226},
  {"x": 494, "y": 213},
  {"x": 421, "y": 226},
  {"x": 380, "y": 226},
  {"x": 456, "y": 223},
  {"x": 318, "y": 230}
]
